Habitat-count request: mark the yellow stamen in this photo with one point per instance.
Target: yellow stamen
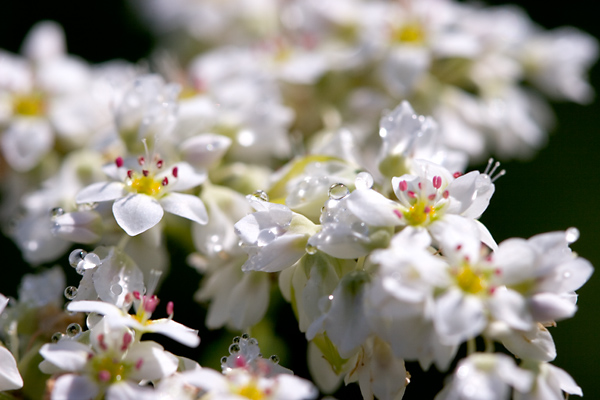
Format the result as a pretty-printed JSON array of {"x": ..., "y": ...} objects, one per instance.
[
  {"x": 30, "y": 105},
  {"x": 409, "y": 33},
  {"x": 468, "y": 280},
  {"x": 145, "y": 185}
]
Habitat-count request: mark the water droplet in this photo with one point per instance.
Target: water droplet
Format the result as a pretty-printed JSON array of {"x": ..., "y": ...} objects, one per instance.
[
  {"x": 234, "y": 348},
  {"x": 265, "y": 237},
  {"x": 310, "y": 249},
  {"x": 360, "y": 228},
  {"x": 56, "y": 337},
  {"x": 80, "y": 269},
  {"x": 274, "y": 358},
  {"x": 87, "y": 206},
  {"x": 261, "y": 194},
  {"x": 116, "y": 289},
  {"x": 253, "y": 341},
  {"x": 224, "y": 360},
  {"x": 73, "y": 329},
  {"x": 70, "y": 292},
  {"x": 364, "y": 180},
  {"x": 338, "y": 191},
  {"x": 56, "y": 212},
  {"x": 236, "y": 339},
  {"x": 245, "y": 336},
  {"x": 572, "y": 234},
  {"x": 76, "y": 256}
]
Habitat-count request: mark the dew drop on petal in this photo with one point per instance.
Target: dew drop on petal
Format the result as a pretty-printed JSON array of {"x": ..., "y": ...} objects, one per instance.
[
  {"x": 76, "y": 256},
  {"x": 310, "y": 249},
  {"x": 572, "y": 235},
  {"x": 253, "y": 341},
  {"x": 338, "y": 191},
  {"x": 70, "y": 292},
  {"x": 224, "y": 360},
  {"x": 265, "y": 237},
  {"x": 234, "y": 348},
  {"x": 56, "y": 337},
  {"x": 236, "y": 339},
  {"x": 364, "y": 180},
  {"x": 56, "y": 212},
  {"x": 245, "y": 336},
  {"x": 116, "y": 289},
  {"x": 261, "y": 194},
  {"x": 73, "y": 329},
  {"x": 274, "y": 358}
]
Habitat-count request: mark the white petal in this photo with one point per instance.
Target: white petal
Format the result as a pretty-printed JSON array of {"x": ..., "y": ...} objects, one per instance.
[
  {"x": 566, "y": 382},
  {"x": 99, "y": 307},
  {"x": 74, "y": 387},
  {"x": 291, "y": 387},
  {"x": 10, "y": 379},
  {"x": 151, "y": 361},
  {"x": 130, "y": 391},
  {"x": 551, "y": 307},
  {"x": 459, "y": 317},
  {"x": 373, "y": 208},
  {"x": 3, "y": 302},
  {"x": 101, "y": 191},
  {"x": 137, "y": 213},
  {"x": 175, "y": 331},
  {"x": 281, "y": 253},
  {"x": 244, "y": 313},
  {"x": 45, "y": 40},
  {"x": 510, "y": 307},
  {"x": 186, "y": 206},
  {"x": 187, "y": 177},
  {"x": 78, "y": 226},
  {"x": 26, "y": 142},
  {"x": 66, "y": 354},
  {"x": 204, "y": 150}
]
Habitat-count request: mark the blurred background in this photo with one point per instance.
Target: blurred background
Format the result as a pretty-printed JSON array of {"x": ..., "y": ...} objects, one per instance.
[{"x": 557, "y": 189}]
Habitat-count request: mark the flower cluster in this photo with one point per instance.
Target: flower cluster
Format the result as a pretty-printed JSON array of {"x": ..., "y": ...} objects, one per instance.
[{"x": 316, "y": 148}]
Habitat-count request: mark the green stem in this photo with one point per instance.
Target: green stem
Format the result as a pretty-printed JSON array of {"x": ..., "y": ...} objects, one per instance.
[
  {"x": 471, "y": 346},
  {"x": 123, "y": 242},
  {"x": 490, "y": 346}
]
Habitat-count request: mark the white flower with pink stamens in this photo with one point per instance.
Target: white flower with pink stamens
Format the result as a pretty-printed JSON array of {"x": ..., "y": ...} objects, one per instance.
[
  {"x": 10, "y": 378},
  {"x": 432, "y": 198},
  {"x": 143, "y": 191},
  {"x": 111, "y": 367}
]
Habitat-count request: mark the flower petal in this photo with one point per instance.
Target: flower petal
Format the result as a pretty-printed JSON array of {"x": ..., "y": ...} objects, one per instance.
[
  {"x": 74, "y": 387},
  {"x": 137, "y": 213},
  {"x": 100, "y": 191},
  {"x": 186, "y": 206},
  {"x": 9, "y": 373}
]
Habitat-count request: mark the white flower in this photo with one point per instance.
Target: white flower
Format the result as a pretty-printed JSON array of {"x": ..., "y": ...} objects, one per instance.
[
  {"x": 114, "y": 364},
  {"x": 274, "y": 237},
  {"x": 10, "y": 379},
  {"x": 549, "y": 384},
  {"x": 485, "y": 377},
  {"x": 142, "y": 195}
]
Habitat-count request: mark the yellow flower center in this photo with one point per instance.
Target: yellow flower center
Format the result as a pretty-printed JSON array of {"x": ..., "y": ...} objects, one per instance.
[
  {"x": 469, "y": 280},
  {"x": 30, "y": 105},
  {"x": 409, "y": 33},
  {"x": 107, "y": 369},
  {"x": 251, "y": 391},
  {"x": 145, "y": 185},
  {"x": 420, "y": 214}
]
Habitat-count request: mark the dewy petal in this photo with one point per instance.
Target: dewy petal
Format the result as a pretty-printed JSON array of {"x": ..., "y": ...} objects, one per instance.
[
  {"x": 186, "y": 206},
  {"x": 129, "y": 391},
  {"x": 137, "y": 213},
  {"x": 10, "y": 379},
  {"x": 74, "y": 387},
  {"x": 26, "y": 142},
  {"x": 244, "y": 313},
  {"x": 373, "y": 208},
  {"x": 278, "y": 255},
  {"x": 100, "y": 191},
  {"x": 204, "y": 150},
  {"x": 99, "y": 307}
]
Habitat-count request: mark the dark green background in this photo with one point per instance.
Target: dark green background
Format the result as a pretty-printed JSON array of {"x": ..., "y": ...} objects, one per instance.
[{"x": 556, "y": 190}]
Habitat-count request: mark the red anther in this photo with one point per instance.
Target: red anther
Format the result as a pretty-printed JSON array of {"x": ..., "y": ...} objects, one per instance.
[
  {"x": 127, "y": 339},
  {"x": 458, "y": 247},
  {"x": 398, "y": 213},
  {"x": 130, "y": 174},
  {"x": 411, "y": 194},
  {"x": 145, "y": 172},
  {"x": 437, "y": 182},
  {"x": 119, "y": 162},
  {"x": 139, "y": 363},
  {"x": 427, "y": 210},
  {"x": 431, "y": 197},
  {"x": 101, "y": 342},
  {"x": 141, "y": 160},
  {"x": 467, "y": 259},
  {"x": 240, "y": 361},
  {"x": 150, "y": 303},
  {"x": 456, "y": 174},
  {"x": 159, "y": 164},
  {"x": 128, "y": 298},
  {"x": 170, "y": 308},
  {"x": 104, "y": 376},
  {"x": 498, "y": 271},
  {"x": 445, "y": 194},
  {"x": 137, "y": 295},
  {"x": 420, "y": 185},
  {"x": 90, "y": 356},
  {"x": 492, "y": 290},
  {"x": 165, "y": 181},
  {"x": 175, "y": 171},
  {"x": 403, "y": 186}
]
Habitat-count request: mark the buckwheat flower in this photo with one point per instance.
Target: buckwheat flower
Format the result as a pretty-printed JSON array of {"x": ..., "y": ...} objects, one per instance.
[
  {"x": 113, "y": 365},
  {"x": 550, "y": 383},
  {"x": 486, "y": 377},
  {"x": 431, "y": 198},
  {"x": 141, "y": 321},
  {"x": 10, "y": 378},
  {"x": 143, "y": 192},
  {"x": 274, "y": 236}
]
